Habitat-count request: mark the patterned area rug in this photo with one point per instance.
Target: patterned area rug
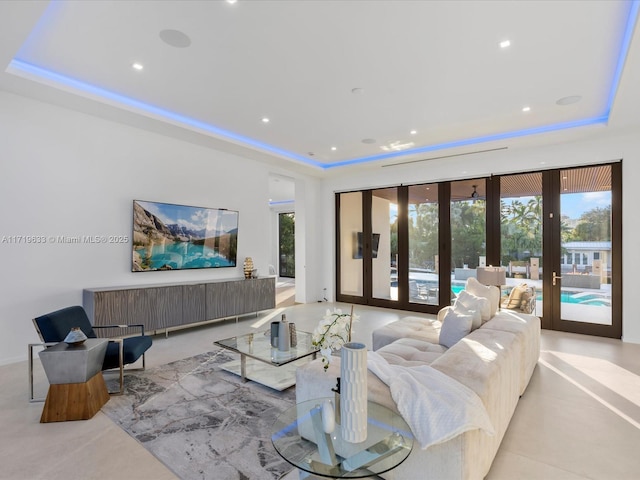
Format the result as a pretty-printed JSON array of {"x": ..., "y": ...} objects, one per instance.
[{"x": 203, "y": 422}]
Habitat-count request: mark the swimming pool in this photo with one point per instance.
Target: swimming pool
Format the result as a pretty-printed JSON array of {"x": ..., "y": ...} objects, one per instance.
[{"x": 584, "y": 298}]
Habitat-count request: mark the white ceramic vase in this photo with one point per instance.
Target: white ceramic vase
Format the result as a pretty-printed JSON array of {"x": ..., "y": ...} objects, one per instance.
[
  {"x": 353, "y": 392},
  {"x": 328, "y": 416}
]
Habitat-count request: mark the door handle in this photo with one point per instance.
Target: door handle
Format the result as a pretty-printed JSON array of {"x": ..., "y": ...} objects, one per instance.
[{"x": 555, "y": 277}]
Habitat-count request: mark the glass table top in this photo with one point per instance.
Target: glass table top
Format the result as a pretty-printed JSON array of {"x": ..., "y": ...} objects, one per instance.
[
  {"x": 258, "y": 346},
  {"x": 299, "y": 438}
]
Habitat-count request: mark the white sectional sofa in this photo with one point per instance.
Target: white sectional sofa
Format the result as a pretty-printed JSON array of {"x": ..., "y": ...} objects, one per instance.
[{"x": 495, "y": 361}]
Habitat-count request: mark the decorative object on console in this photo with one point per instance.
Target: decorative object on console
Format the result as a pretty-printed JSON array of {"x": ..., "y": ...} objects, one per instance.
[
  {"x": 353, "y": 395},
  {"x": 175, "y": 237},
  {"x": 75, "y": 336},
  {"x": 333, "y": 331},
  {"x": 248, "y": 267}
]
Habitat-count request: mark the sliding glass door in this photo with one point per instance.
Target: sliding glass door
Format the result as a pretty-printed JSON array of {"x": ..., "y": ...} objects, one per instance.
[
  {"x": 350, "y": 247},
  {"x": 521, "y": 233},
  {"x": 384, "y": 244},
  {"x": 468, "y": 220},
  {"x": 423, "y": 226},
  {"x": 559, "y": 231}
]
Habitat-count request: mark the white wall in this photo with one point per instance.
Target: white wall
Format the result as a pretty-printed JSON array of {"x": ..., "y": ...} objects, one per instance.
[
  {"x": 308, "y": 237},
  {"x": 599, "y": 148},
  {"x": 67, "y": 173}
]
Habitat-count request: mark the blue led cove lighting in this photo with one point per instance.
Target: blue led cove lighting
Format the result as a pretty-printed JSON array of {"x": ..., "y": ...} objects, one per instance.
[
  {"x": 152, "y": 109},
  {"x": 631, "y": 21}
]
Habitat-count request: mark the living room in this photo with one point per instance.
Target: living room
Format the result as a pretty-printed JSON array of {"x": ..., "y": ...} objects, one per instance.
[{"x": 71, "y": 169}]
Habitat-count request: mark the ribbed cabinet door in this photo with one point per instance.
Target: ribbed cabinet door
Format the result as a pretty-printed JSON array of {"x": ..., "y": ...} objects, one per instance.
[
  {"x": 193, "y": 304},
  {"x": 111, "y": 308},
  {"x": 167, "y": 308}
]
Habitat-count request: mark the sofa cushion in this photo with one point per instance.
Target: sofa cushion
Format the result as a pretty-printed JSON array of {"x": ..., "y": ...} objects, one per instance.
[
  {"x": 425, "y": 329},
  {"x": 527, "y": 330},
  {"x": 455, "y": 326},
  {"x": 411, "y": 352},
  {"x": 469, "y": 301},
  {"x": 515, "y": 296},
  {"x": 489, "y": 292}
]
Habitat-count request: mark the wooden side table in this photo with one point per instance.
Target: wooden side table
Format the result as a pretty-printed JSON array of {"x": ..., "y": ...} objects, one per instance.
[{"x": 77, "y": 389}]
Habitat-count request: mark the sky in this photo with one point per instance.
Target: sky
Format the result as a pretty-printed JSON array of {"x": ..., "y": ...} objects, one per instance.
[
  {"x": 573, "y": 205},
  {"x": 194, "y": 218}
]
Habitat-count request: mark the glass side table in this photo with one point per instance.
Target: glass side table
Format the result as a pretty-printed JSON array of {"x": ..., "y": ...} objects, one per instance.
[{"x": 299, "y": 438}]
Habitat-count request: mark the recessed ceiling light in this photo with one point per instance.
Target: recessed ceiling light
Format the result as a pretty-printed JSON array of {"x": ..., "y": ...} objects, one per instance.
[
  {"x": 175, "y": 38},
  {"x": 333, "y": 149},
  {"x": 413, "y": 132},
  {"x": 569, "y": 100},
  {"x": 137, "y": 66},
  {"x": 526, "y": 109},
  {"x": 265, "y": 120},
  {"x": 231, "y": 2},
  {"x": 505, "y": 44}
]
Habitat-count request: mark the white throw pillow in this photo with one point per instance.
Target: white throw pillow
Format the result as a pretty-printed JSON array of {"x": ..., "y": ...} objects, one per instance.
[
  {"x": 455, "y": 326},
  {"x": 489, "y": 292},
  {"x": 475, "y": 315},
  {"x": 469, "y": 301}
]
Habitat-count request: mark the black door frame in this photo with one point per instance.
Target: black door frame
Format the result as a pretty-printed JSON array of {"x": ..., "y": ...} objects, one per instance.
[{"x": 551, "y": 245}]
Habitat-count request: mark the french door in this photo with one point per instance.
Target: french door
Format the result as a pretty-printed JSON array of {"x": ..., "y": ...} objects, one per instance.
[
  {"x": 583, "y": 269},
  {"x": 413, "y": 247}
]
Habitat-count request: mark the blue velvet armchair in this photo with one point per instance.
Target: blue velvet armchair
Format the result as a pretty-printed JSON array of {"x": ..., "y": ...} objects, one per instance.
[{"x": 53, "y": 328}]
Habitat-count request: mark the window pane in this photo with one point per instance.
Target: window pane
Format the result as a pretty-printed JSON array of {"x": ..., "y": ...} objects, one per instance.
[
  {"x": 521, "y": 233},
  {"x": 384, "y": 224},
  {"x": 350, "y": 248},
  {"x": 423, "y": 244},
  {"x": 585, "y": 207},
  {"x": 468, "y": 230}
]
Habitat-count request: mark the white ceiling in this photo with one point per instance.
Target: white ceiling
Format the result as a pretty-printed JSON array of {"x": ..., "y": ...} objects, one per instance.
[{"x": 431, "y": 66}]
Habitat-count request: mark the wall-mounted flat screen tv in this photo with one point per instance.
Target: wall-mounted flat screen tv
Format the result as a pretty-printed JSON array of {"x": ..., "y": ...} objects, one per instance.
[
  {"x": 177, "y": 237},
  {"x": 357, "y": 251}
]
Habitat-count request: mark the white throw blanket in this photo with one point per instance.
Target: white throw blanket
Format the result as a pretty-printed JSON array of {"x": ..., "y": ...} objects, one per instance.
[{"x": 435, "y": 406}]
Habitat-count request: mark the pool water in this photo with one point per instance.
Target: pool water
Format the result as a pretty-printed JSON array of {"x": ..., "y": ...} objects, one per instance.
[{"x": 595, "y": 300}]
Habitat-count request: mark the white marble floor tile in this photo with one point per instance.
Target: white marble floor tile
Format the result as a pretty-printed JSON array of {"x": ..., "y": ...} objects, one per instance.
[{"x": 575, "y": 421}]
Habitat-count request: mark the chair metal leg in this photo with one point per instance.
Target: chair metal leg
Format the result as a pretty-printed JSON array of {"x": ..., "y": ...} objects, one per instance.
[
  {"x": 30, "y": 358},
  {"x": 121, "y": 365}
]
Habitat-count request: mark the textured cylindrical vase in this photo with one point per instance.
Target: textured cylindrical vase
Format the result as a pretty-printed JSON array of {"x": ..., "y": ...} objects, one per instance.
[
  {"x": 353, "y": 392},
  {"x": 284, "y": 337}
]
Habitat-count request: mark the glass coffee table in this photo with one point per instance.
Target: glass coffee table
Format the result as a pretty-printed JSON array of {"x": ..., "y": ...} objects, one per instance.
[
  {"x": 257, "y": 346},
  {"x": 299, "y": 438}
]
